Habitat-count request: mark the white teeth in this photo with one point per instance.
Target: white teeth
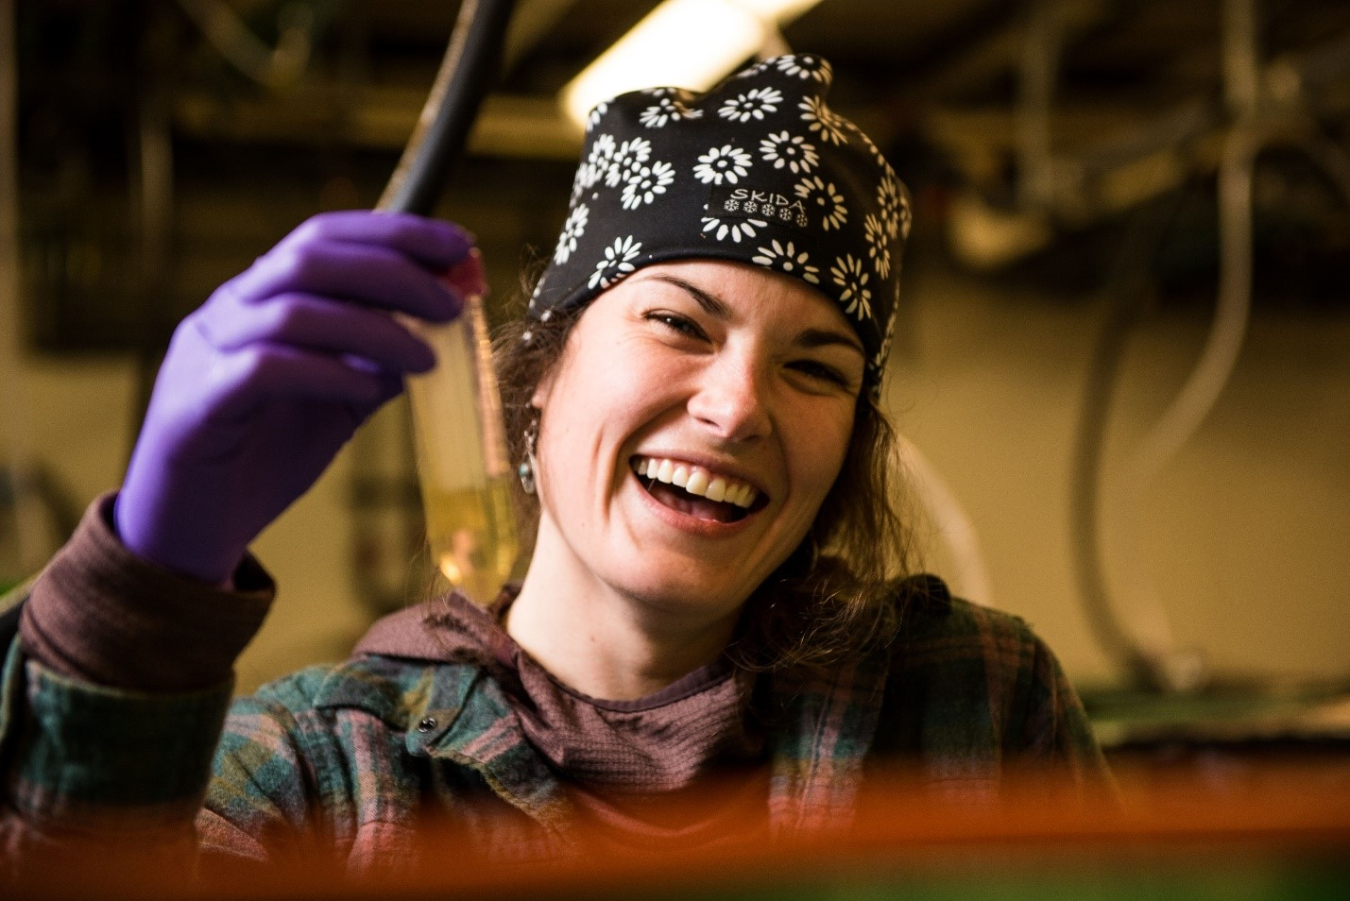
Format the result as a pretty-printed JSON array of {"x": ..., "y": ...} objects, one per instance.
[
  {"x": 744, "y": 496},
  {"x": 697, "y": 481},
  {"x": 717, "y": 489}
]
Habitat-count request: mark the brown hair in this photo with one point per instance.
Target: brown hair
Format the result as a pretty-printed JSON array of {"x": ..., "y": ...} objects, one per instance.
[{"x": 834, "y": 595}]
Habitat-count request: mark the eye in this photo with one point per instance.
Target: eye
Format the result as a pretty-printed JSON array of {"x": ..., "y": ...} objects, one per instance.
[
  {"x": 682, "y": 325},
  {"x": 821, "y": 372}
]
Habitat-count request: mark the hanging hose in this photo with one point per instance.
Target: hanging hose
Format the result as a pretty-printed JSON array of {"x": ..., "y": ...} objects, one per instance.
[
  {"x": 237, "y": 44},
  {"x": 1151, "y": 659},
  {"x": 1125, "y": 291},
  {"x": 443, "y": 128},
  {"x": 1211, "y": 373},
  {"x": 950, "y": 519}
]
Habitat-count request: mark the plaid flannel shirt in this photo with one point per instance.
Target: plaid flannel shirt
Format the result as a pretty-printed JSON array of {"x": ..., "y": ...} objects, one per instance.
[{"x": 352, "y": 756}]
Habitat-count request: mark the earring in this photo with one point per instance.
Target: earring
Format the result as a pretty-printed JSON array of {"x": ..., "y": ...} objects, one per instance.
[{"x": 527, "y": 466}]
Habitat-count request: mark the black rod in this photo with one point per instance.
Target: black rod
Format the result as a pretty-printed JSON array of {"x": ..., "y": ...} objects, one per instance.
[{"x": 437, "y": 143}]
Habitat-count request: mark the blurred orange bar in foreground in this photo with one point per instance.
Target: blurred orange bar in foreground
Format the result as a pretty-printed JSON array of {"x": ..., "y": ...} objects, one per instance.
[{"x": 1287, "y": 838}]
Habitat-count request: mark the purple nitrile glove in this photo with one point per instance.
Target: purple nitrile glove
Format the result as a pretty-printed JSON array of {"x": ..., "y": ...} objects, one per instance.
[{"x": 264, "y": 383}]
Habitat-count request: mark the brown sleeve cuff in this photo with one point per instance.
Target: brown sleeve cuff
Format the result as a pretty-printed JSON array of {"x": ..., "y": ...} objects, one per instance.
[{"x": 103, "y": 615}]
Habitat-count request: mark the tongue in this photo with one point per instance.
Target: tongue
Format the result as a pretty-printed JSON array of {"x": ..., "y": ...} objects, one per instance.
[{"x": 679, "y": 499}]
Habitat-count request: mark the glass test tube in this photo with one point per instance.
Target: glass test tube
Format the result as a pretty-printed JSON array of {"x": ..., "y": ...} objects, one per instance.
[{"x": 462, "y": 462}]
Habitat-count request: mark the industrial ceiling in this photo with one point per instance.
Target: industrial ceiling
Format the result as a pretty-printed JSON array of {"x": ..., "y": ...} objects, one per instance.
[{"x": 163, "y": 145}]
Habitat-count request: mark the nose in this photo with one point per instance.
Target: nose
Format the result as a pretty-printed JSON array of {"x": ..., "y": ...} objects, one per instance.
[{"x": 731, "y": 400}]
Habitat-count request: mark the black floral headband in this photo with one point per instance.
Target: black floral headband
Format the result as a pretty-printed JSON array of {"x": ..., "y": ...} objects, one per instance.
[{"x": 758, "y": 170}]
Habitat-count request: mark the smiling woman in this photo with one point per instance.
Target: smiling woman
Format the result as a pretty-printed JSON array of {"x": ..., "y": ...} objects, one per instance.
[
  {"x": 717, "y": 595},
  {"x": 739, "y": 377},
  {"x": 742, "y": 375}
]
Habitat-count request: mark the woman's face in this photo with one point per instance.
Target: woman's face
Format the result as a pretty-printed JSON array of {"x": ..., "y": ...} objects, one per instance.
[{"x": 717, "y": 371}]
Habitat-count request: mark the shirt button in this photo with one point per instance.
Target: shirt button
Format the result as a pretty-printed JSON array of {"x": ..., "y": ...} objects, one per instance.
[{"x": 427, "y": 724}]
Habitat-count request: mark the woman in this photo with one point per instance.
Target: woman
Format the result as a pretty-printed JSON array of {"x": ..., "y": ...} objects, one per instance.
[{"x": 693, "y": 400}]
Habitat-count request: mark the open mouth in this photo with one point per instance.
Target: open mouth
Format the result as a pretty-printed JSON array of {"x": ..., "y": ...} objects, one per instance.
[{"x": 697, "y": 492}]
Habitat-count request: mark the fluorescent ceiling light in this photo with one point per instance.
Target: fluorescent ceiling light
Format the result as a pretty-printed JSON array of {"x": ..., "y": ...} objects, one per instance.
[
  {"x": 778, "y": 11},
  {"x": 682, "y": 43}
]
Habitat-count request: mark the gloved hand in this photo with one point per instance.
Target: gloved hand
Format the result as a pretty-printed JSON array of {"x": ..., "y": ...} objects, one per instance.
[{"x": 264, "y": 383}]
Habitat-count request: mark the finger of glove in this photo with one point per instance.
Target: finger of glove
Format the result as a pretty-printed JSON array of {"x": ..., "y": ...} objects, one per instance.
[
  {"x": 316, "y": 323},
  {"x": 370, "y": 276},
  {"x": 434, "y": 243},
  {"x": 269, "y": 372}
]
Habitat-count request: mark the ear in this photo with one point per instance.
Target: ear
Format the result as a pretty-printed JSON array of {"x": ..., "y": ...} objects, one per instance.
[{"x": 544, "y": 390}]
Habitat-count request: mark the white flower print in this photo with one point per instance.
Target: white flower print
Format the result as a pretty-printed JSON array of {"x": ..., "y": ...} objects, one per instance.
[
  {"x": 792, "y": 151},
  {"x": 890, "y": 200},
  {"x": 572, "y": 230},
  {"x": 645, "y": 183},
  {"x": 875, "y": 150},
  {"x": 806, "y": 67},
  {"x": 879, "y": 361},
  {"x": 785, "y": 258},
  {"x": 878, "y": 245},
  {"x": 596, "y": 114},
  {"x": 602, "y": 148},
  {"x": 538, "y": 291},
  {"x": 588, "y": 175},
  {"x": 679, "y": 94},
  {"x": 824, "y": 121},
  {"x": 631, "y": 155},
  {"x": 617, "y": 262},
  {"x": 848, "y": 274},
  {"x": 579, "y": 181},
  {"x": 725, "y": 163},
  {"x": 598, "y": 160},
  {"x": 657, "y": 115},
  {"x": 670, "y": 106},
  {"x": 721, "y": 229},
  {"x": 754, "y": 70},
  {"x": 826, "y": 197},
  {"x": 752, "y": 104},
  {"x": 596, "y": 165}
]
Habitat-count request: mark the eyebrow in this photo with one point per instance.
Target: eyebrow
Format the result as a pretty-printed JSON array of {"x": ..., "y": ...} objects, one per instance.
[
  {"x": 714, "y": 306},
  {"x": 814, "y": 337},
  {"x": 711, "y": 303}
]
